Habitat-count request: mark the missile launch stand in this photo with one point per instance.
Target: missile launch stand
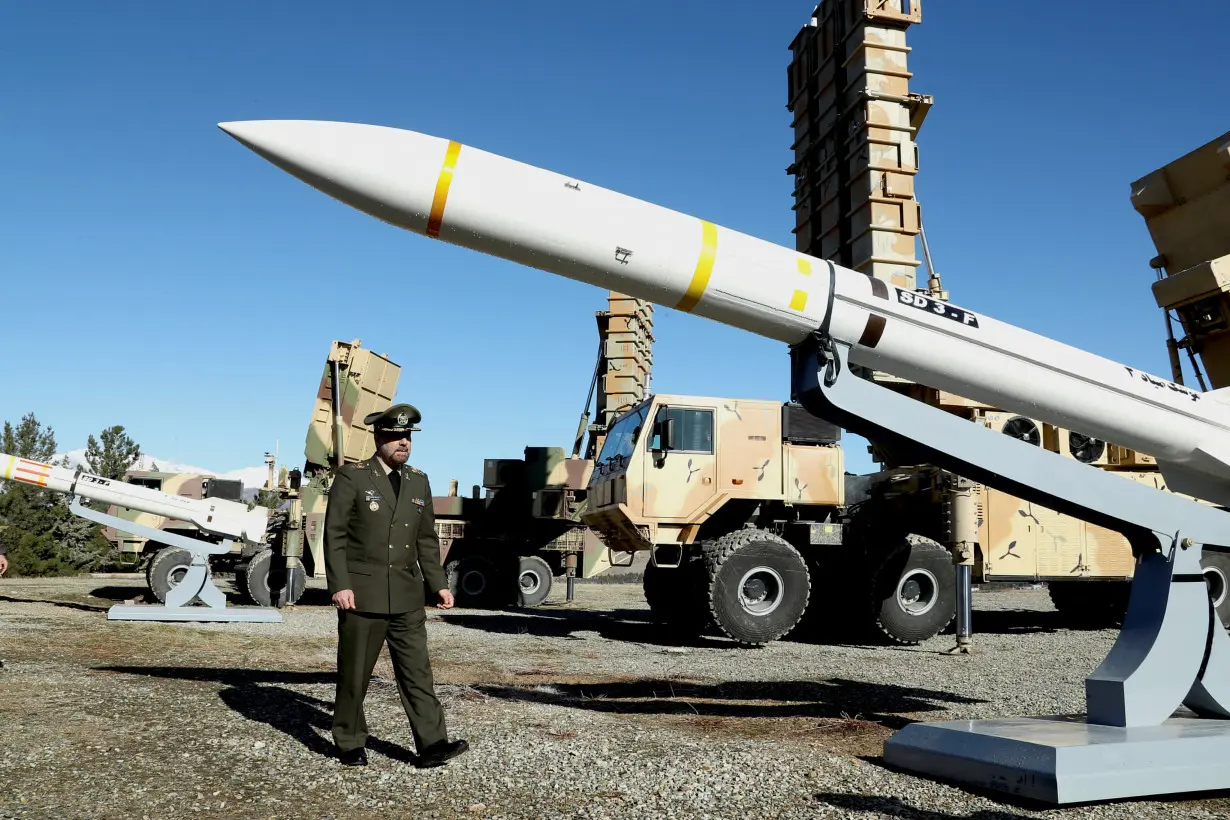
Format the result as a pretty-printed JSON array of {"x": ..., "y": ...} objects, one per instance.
[
  {"x": 1172, "y": 651},
  {"x": 196, "y": 583}
]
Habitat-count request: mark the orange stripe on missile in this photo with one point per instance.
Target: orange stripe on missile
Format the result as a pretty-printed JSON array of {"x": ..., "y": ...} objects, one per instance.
[
  {"x": 31, "y": 472},
  {"x": 442, "y": 186}
]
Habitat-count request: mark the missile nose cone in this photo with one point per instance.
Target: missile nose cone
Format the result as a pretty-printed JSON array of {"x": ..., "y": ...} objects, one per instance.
[{"x": 384, "y": 172}]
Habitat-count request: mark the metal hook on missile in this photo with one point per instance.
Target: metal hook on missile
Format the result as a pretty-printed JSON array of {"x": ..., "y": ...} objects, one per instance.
[{"x": 832, "y": 364}]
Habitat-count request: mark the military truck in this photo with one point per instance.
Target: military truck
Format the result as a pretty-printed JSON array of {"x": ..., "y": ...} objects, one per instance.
[
  {"x": 506, "y": 547},
  {"x": 753, "y": 526},
  {"x": 732, "y": 498}
]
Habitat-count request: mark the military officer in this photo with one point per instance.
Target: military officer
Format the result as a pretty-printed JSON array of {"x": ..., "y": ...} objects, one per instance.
[{"x": 382, "y": 560}]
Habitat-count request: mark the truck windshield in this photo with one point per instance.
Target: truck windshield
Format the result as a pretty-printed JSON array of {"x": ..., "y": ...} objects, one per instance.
[{"x": 621, "y": 441}]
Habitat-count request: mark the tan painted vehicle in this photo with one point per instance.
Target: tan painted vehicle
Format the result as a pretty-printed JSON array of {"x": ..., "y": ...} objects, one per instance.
[
  {"x": 734, "y": 498},
  {"x": 754, "y": 527},
  {"x": 163, "y": 565}
]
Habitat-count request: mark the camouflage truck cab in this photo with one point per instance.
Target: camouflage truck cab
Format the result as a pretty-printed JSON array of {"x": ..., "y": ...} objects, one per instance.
[{"x": 728, "y": 496}]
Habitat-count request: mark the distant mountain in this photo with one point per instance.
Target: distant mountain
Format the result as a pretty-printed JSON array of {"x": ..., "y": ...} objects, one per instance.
[{"x": 253, "y": 478}]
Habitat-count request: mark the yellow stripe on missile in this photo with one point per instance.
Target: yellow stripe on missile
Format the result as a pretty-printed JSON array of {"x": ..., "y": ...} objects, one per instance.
[
  {"x": 704, "y": 267},
  {"x": 804, "y": 266},
  {"x": 436, "y": 218},
  {"x": 8, "y": 469},
  {"x": 799, "y": 300}
]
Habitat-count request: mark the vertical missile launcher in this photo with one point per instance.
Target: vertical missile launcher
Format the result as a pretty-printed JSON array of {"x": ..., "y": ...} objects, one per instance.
[
  {"x": 1186, "y": 208},
  {"x": 855, "y": 124},
  {"x": 878, "y": 551}
]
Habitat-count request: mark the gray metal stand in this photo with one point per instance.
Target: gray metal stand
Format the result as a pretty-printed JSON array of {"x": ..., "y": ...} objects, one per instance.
[
  {"x": 196, "y": 584},
  {"x": 1171, "y": 651}
]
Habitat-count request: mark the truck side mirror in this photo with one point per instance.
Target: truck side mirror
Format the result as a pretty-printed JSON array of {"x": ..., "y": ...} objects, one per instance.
[{"x": 664, "y": 432}]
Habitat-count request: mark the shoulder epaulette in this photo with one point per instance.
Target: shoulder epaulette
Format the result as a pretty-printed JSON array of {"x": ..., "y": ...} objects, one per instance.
[{"x": 415, "y": 470}]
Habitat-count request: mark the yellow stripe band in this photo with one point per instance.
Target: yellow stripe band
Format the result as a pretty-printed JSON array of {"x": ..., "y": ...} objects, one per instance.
[
  {"x": 442, "y": 185},
  {"x": 804, "y": 267},
  {"x": 704, "y": 267},
  {"x": 799, "y": 300},
  {"x": 8, "y": 469}
]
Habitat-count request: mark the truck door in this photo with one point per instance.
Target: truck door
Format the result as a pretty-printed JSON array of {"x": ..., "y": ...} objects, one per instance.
[{"x": 680, "y": 463}]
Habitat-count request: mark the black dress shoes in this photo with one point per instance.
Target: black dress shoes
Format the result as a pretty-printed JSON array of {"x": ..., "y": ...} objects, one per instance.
[
  {"x": 437, "y": 754},
  {"x": 353, "y": 757}
]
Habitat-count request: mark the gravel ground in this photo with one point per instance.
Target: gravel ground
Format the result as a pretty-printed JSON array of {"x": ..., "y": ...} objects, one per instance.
[{"x": 572, "y": 710}]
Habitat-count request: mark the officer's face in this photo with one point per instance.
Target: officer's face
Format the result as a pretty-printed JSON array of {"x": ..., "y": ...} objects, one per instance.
[{"x": 393, "y": 448}]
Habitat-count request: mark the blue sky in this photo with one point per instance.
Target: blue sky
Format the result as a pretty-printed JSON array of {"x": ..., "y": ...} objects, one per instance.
[{"x": 158, "y": 275}]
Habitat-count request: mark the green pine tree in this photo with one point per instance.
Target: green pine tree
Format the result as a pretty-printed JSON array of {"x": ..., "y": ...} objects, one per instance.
[{"x": 112, "y": 454}]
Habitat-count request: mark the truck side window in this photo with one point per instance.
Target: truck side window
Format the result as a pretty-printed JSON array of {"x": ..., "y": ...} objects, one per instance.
[{"x": 693, "y": 430}]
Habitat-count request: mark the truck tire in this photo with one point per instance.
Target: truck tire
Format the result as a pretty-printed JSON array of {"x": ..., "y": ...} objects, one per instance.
[
  {"x": 1097, "y": 604},
  {"x": 913, "y": 591},
  {"x": 533, "y": 580},
  {"x": 472, "y": 579},
  {"x": 758, "y": 586},
  {"x": 150, "y": 555},
  {"x": 268, "y": 582},
  {"x": 167, "y": 569},
  {"x": 1217, "y": 578}
]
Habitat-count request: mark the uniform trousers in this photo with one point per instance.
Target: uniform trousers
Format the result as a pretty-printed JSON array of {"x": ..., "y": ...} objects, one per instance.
[{"x": 361, "y": 635}]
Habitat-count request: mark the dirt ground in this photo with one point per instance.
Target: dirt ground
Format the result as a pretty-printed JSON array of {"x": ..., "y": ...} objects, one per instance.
[{"x": 575, "y": 709}]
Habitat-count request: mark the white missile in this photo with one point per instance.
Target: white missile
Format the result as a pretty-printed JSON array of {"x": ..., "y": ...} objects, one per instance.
[
  {"x": 218, "y": 516},
  {"x": 479, "y": 200}
]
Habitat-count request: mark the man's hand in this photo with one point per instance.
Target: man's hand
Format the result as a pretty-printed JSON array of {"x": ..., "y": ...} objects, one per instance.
[
  {"x": 4, "y": 563},
  {"x": 446, "y": 599},
  {"x": 344, "y": 599}
]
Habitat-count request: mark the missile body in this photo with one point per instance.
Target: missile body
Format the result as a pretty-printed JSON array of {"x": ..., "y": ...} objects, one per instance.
[
  {"x": 213, "y": 515},
  {"x": 478, "y": 200}
]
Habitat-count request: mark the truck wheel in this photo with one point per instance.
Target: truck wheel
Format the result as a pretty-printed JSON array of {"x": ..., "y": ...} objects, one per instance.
[
  {"x": 758, "y": 586},
  {"x": 1091, "y": 603},
  {"x": 150, "y": 555},
  {"x": 914, "y": 591},
  {"x": 1217, "y": 578},
  {"x": 268, "y": 582},
  {"x": 533, "y": 580},
  {"x": 167, "y": 569},
  {"x": 471, "y": 579}
]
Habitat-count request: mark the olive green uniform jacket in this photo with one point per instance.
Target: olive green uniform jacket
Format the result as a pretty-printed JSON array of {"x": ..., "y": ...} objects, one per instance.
[{"x": 381, "y": 546}]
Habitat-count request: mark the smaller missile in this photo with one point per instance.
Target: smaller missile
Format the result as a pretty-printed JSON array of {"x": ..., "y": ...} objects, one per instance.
[{"x": 218, "y": 516}]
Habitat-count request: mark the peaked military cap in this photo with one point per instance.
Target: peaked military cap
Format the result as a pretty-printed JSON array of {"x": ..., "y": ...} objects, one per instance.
[{"x": 400, "y": 418}]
